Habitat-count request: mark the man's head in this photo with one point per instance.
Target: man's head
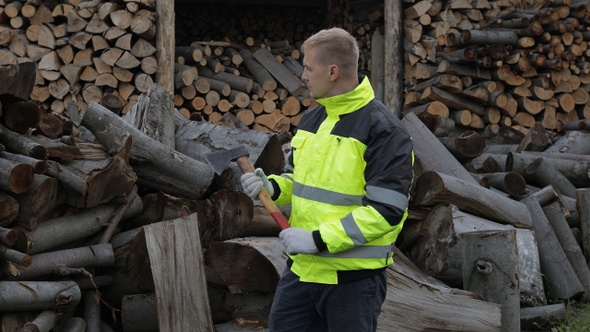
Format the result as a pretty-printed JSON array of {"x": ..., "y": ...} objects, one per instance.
[{"x": 330, "y": 63}]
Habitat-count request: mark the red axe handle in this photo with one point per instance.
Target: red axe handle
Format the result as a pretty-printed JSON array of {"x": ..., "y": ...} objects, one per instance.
[{"x": 263, "y": 196}]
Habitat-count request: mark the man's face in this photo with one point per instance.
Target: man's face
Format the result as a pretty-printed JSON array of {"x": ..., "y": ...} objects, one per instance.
[{"x": 317, "y": 76}]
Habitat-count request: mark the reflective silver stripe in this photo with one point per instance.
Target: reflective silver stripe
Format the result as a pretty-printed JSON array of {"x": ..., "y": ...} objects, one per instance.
[
  {"x": 379, "y": 252},
  {"x": 326, "y": 196},
  {"x": 288, "y": 168},
  {"x": 353, "y": 231},
  {"x": 287, "y": 176},
  {"x": 387, "y": 196}
]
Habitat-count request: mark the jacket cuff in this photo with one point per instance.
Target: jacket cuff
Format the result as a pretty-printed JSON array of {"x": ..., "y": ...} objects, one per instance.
[
  {"x": 276, "y": 188},
  {"x": 317, "y": 238}
]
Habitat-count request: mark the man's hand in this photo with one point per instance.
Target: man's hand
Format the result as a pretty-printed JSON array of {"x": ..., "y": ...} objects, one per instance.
[
  {"x": 253, "y": 183},
  {"x": 298, "y": 241}
]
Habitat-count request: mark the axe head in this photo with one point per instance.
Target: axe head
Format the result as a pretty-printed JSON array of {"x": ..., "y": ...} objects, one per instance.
[{"x": 220, "y": 160}]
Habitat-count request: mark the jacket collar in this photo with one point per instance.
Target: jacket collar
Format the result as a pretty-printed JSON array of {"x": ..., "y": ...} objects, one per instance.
[{"x": 350, "y": 101}]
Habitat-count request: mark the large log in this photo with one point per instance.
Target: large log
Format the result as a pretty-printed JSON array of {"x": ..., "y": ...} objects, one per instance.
[
  {"x": 157, "y": 166},
  {"x": 68, "y": 228},
  {"x": 45, "y": 194},
  {"x": 195, "y": 139},
  {"x": 37, "y": 295},
  {"x": 575, "y": 142},
  {"x": 569, "y": 244},
  {"x": 439, "y": 252},
  {"x": 279, "y": 71},
  {"x": 417, "y": 302},
  {"x": 575, "y": 171},
  {"x": 263, "y": 257},
  {"x": 181, "y": 295},
  {"x": 431, "y": 152},
  {"x": 46, "y": 264},
  {"x": 491, "y": 269},
  {"x": 434, "y": 187},
  {"x": 561, "y": 279}
]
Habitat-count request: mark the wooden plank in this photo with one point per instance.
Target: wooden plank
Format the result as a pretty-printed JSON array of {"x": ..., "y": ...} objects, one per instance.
[
  {"x": 394, "y": 70},
  {"x": 177, "y": 266},
  {"x": 165, "y": 44}
]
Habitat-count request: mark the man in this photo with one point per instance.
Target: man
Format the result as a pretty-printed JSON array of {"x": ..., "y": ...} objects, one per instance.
[{"x": 348, "y": 182}]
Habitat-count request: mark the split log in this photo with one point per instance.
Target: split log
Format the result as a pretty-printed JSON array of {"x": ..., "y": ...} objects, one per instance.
[
  {"x": 417, "y": 302},
  {"x": 152, "y": 115},
  {"x": 561, "y": 279},
  {"x": 279, "y": 71},
  {"x": 569, "y": 244},
  {"x": 263, "y": 256},
  {"x": 157, "y": 166},
  {"x": 186, "y": 288},
  {"x": 46, "y": 264},
  {"x": 38, "y": 295},
  {"x": 491, "y": 269},
  {"x": 435, "y": 187},
  {"x": 430, "y": 151}
]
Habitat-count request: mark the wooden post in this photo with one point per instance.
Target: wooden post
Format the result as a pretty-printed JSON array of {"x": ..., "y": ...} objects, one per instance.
[
  {"x": 177, "y": 266},
  {"x": 393, "y": 61},
  {"x": 165, "y": 44},
  {"x": 491, "y": 269}
]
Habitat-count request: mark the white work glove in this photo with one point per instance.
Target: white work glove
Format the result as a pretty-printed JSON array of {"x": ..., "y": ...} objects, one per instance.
[
  {"x": 253, "y": 182},
  {"x": 298, "y": 241}
]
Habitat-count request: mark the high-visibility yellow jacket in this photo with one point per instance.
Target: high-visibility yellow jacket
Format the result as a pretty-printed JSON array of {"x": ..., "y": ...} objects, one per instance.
[{"x": 348, "y": 182}]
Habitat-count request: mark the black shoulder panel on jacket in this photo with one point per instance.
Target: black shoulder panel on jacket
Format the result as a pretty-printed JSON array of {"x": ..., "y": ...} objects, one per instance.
[{"x": 312, "y": 119}]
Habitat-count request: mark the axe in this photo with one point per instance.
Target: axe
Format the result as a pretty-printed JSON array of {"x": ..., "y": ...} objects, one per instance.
[{"x": 219, "y": 162}]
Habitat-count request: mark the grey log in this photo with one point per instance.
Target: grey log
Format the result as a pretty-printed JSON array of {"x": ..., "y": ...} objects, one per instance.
[
  {"x": 491, "y": 269},
  {"x": 157, "y": 166},
  {"x": 583, "y": 205},
  {"x": 37, "y": 295}
]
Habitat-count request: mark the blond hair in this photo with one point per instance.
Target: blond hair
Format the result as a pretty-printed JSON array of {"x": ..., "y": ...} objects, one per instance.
[{"x": 335, "y": 46}]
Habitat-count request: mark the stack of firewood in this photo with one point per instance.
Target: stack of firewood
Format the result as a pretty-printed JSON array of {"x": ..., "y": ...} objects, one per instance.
[
  {"x": 492, "y": 64},
  {"x": 85, "y": 50}
]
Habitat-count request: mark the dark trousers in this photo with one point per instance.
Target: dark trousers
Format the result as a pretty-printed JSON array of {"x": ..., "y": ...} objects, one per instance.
[{"x": 311, "y": 307}]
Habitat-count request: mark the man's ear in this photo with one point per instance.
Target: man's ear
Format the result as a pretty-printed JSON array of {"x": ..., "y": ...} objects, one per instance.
[{"x": 334, "y": 72}]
